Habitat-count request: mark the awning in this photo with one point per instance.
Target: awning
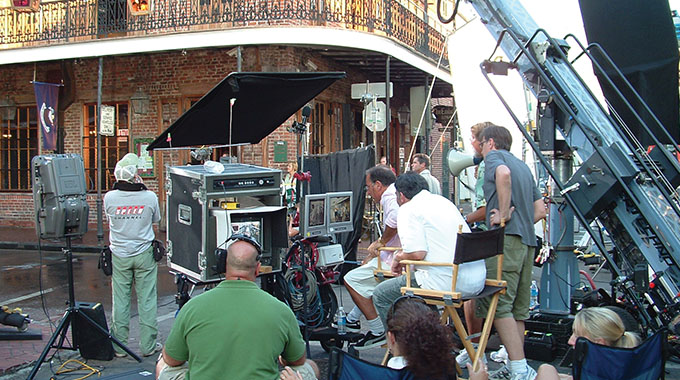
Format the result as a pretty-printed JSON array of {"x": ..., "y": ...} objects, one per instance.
[{"x": 263, "y": 102}]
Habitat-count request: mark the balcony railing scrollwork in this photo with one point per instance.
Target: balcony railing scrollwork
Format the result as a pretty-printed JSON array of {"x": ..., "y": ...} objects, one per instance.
[{"x": 64, "y": 21}]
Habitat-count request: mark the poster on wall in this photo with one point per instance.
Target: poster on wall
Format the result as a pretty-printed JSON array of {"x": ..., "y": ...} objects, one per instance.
[{"x": 145, "y": 167}]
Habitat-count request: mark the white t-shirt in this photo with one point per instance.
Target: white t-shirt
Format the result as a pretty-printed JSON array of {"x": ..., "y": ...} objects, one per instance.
[
  {"x": 390, "y": 207},
  {"x": 430, "y": 223}
]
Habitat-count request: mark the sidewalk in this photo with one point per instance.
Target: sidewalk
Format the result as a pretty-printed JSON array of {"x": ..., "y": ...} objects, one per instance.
[{"x": 27, "y": 238}]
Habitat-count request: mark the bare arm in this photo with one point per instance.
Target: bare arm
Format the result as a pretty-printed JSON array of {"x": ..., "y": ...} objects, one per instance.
[
  {"x": 297, "y": 362},
  {"x": 479, "y": 215},
  {"x": 539, "y": 210},
  {"x": 170, "y": 361},
  {"x": 397, "y": 266},
  {"x": 504, "y": 192}
]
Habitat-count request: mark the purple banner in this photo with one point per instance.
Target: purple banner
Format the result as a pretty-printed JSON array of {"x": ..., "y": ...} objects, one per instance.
[{"x": 47, "y": 99}]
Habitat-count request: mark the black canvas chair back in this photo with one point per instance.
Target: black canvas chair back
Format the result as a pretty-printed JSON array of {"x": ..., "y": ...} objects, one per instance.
[
  {"x": 594, "y": 361},
  {"x": 343, "y": 366},
  {"x": 478, "y": 245}
]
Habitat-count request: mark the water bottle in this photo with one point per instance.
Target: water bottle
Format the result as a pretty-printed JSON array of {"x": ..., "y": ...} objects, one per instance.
[
  {"x": 533, "y": 304},
  {"x": 342, "y": 321}
]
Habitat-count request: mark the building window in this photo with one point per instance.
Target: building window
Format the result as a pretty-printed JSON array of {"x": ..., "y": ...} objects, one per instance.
[
  {"x": 113, "y": 147},
  {"x": 18, "y": 144}
]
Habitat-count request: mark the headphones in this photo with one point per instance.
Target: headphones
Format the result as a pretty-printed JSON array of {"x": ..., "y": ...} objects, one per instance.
[
  {"x": 248, "y": 239},
  {"x": 221, "y": 253}
]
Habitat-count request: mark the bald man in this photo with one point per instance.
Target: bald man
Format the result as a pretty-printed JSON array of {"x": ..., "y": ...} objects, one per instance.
[{"x": 235, "y": 330}]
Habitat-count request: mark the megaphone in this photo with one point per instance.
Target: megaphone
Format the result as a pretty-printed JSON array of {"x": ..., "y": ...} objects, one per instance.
[{"x": 459, "y": 161}]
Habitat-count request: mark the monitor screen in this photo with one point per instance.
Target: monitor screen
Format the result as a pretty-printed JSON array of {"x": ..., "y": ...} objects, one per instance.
[
  {"x": 317, "y": 209},
  {"x": 313, "y": 215},
  {"x": 340, "y": 212},
  {"x": 340, "y": 208}
]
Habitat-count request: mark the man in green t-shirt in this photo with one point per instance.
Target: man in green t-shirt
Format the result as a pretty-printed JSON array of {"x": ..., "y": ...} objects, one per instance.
[{"x": 235, "y": 330}]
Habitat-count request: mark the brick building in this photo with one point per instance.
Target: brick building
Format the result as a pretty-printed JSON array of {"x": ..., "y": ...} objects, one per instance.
[{"x": 156, "y": 63}]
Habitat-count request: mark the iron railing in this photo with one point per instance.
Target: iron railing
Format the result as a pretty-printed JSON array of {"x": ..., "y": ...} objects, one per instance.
[{"x": 66, "y": 21}]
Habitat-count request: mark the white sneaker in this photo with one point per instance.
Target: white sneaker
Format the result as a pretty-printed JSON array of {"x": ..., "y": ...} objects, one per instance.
[
  {"x": 530, "y": 374},
  {"x": 502, "y": 373},
  {"x": 500, "y": 356},
  {"x": 157, "y": 348},
  {"x": 463, "y": 358}
]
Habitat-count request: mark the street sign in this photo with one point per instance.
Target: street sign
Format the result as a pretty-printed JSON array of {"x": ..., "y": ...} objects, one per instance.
[
  {"x": 374, "y": 116},
  {"x": 377, "y": 90},
  {"x": 107, "y": 118}
]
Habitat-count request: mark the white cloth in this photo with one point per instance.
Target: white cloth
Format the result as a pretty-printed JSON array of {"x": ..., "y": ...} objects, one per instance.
[
  {"x": 429, "y": 223},
  {"x": 390, "y": 207},
  {"x": 432, "y": 182},
  {"x": 361, "y": 279},
  {"x": 397, "y": 362}
]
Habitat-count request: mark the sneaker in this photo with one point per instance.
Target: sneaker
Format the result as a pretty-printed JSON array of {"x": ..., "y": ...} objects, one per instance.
[
  {"x": 369, "y": 341},
  {"x": 500, "y": 356},
  {"x": 354, "y": 326},
  {"x": 530, "y": 374},
  {"x": 463, "y": 358},
  {"x": 502, "y": 373},
  {"x": 156, "y": 348},
  {"x": 120, "y": 354}
]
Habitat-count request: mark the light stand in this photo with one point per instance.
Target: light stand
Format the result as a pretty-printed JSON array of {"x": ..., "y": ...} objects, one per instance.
[{"x": 69, "y": 318}]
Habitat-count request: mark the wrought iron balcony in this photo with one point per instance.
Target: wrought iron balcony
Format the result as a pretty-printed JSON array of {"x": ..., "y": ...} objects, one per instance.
[{"x": 65, "y": 21}]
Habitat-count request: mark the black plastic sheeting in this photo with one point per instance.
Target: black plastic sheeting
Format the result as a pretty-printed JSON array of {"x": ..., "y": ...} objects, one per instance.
[
  {"x": 343, "y": 171},
  {"x": 264, "y": 101},
  {"x": 640, "y": 38}
]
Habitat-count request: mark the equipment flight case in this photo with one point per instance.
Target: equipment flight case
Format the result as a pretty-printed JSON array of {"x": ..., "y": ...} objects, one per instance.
[{"x": 205, "y": 207}]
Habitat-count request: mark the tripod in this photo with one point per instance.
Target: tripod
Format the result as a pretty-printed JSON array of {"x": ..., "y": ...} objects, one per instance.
[{"x": 70, "y": 316}]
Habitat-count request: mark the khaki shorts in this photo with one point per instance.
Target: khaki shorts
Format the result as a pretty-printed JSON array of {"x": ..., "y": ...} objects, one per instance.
[{"x": 517, "y": 266}]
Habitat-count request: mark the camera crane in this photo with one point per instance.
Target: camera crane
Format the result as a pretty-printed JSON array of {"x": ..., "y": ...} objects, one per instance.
[{"x": 630, "y": 193}]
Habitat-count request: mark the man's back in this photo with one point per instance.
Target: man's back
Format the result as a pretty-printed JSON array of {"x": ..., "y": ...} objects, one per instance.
[
  {"x": 430, "y": 223},
  {"x": 235, "y": 331},
  {"x": 131, "y": 215},
  {"x": 524, "y": 193}
]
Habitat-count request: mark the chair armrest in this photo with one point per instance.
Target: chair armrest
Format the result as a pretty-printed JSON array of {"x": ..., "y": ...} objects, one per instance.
[
  {"x": 503, "y": 284},
  {"x": 425, "y": 263}
]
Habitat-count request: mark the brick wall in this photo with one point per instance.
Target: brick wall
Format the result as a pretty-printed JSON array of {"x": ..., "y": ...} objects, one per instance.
[{"x": 170, "y": 79}]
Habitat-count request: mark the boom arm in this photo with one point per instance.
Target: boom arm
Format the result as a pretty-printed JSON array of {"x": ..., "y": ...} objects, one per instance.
[{"x": 631, "y": 194}]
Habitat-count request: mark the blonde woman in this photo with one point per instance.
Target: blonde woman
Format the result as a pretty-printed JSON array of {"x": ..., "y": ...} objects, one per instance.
[{"x": 598, "y": 325}]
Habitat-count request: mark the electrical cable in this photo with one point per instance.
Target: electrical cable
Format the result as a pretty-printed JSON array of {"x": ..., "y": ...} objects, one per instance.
[{"x": 62, "y": 370}]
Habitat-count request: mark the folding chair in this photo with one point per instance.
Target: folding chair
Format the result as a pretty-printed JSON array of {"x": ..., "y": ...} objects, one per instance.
[
  {"x": 470, "y": 246},
  {"x": 593, "y": 361},
  {"x": 343, "y": 366},
  {"x": 381, "y": 274}
]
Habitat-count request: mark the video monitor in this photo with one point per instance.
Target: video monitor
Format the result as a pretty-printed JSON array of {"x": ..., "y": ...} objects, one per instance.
[
  {"x": 313, "y": 215},
  {"x": 339, "y": 212}
]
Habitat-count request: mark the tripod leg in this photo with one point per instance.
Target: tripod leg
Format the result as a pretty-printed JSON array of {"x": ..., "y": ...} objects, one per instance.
[
  {"x": 113, "y": 339},
  {"x": 61, "y": 330}
]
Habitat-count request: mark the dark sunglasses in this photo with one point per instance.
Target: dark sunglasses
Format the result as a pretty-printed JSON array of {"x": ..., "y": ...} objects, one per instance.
[{"x": 401, "y": 299}]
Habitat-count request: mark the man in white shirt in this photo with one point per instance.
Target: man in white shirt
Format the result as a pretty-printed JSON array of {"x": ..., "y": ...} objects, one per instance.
[
  {"x": 360, "y": 282},
  {"x": 428, "y": 229},
  {"x": 421, "y": 165}
]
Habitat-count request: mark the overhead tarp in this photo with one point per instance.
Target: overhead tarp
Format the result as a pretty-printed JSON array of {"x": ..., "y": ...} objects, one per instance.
[{"x": 263, "y": 101}]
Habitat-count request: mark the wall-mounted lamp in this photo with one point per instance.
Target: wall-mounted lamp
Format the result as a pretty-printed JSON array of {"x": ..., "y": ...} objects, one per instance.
[
  {"x": 140, "y": 102},
  {"x": 139, "y": 7},
  {"x": 402, "y": 114},
  {"x": 8, "y": 109}
]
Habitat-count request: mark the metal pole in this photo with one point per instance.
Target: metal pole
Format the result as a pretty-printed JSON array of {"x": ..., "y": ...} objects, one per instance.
[
  {"x": 375, "y": 129},
  {"x": 387, "y": 109},
  {"x": 239, "y": 59},
  {"x": 559, "y": 278},
  {"x": 428, "y": 120},
  {"x": 100, "y": 226}
]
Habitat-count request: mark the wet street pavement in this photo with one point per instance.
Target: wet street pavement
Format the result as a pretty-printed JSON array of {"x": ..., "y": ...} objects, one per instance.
[{"x": 26, "y": 274}]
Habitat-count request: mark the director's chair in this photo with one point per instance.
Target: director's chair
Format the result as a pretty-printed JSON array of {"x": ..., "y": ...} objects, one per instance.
[
  {"x": 470, "y": 246},
  {"x": 381, "y": 274}
]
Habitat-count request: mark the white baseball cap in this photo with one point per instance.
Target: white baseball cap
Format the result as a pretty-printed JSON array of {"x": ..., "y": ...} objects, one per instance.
[{"x": 126, "y": 168}]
